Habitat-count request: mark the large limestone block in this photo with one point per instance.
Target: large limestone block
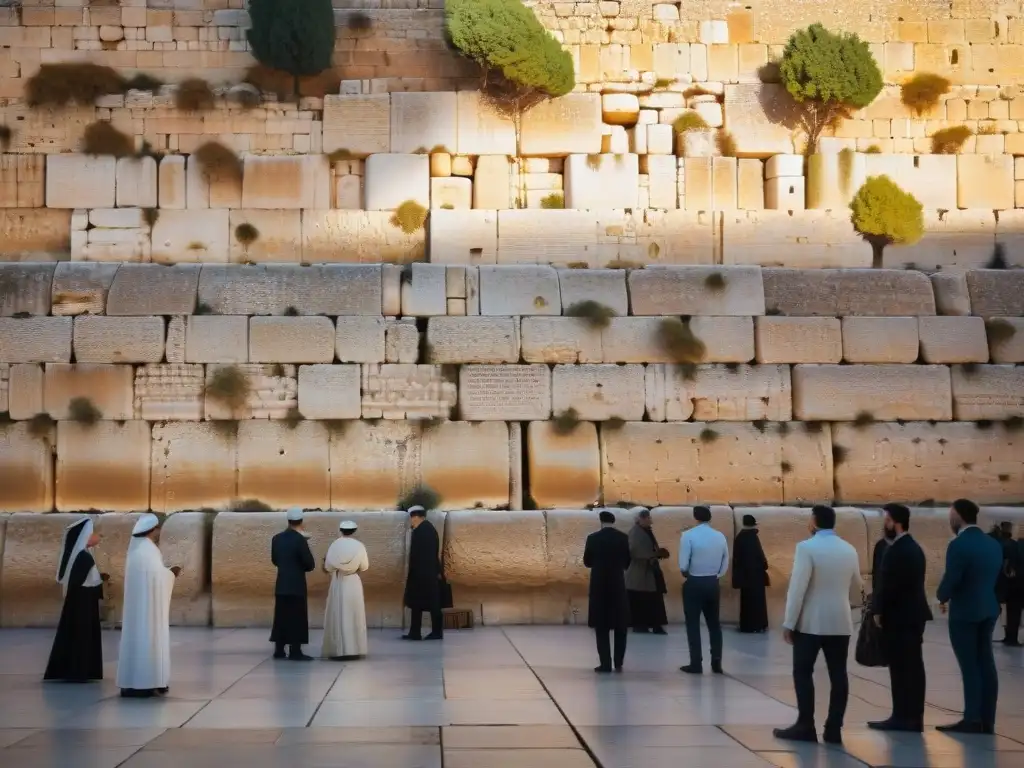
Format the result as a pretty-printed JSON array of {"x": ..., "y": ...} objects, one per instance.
[
  {"x": 373, "y": 463},
  {"x": 798, "y": 339},
  {"x": 329, "y": 391},
  {"x": 519, "y": 290},
  {"x": 605, "y": 286},
  {"x": 567, "y": 531},
  {"x": 367, "y": 237},
  {"x": 401, "y": 340},
  {"x": 809, "y": 240},
  {"x": 952, "y": 240},
  {"x": 984, "y": 181},
  {"x": 1006, "y": 350},
  {"x": 463, "y": 237},
  {"x": 272, "y": 393},
  {"x": 505, "y": 392},
  {"x": 473, "y": 340},
  {"x": 566, "y": 125},
  {"x": 424, "y": 290},
  {"x": 191, "y": 236},
  {"x": 80, "y": 181},
  {"x": 884, "y": 392},
  {"x": 468, "y": 464},
  {"x": 391, "y": 180},
  {"x": 243, "y": 575},
  {"x": 103, "y": 466},
  {"x": 761, "y": 118},
  {"x": 951, "y": 294},
  {"x": 451, "y": 193},
  {"x": 565, "y": 469},
  {"x": 842, "y": 292},
  {"x": 184, "y": 541},
  {"x": 279, "y": 240},
  {"x": 833, "y": 179},
  {"x": 136, "y": 182},
  {"x": 727, "y": 339},
  {"x": 26, "y": 470},
  {"x": 360, "y": 339},
  {"x": 25, "y": 391},
  {"x": 601, "y": 182},
  {"x": 880, "y": 339},
  {"x": 996, "y": 292},
  {"x": 323, "y": 289},
  {"x": 697, "y": 291},
  {"x": 405, "y": 391},
  {"x": 599, "y": 392},
  {"x": 193, "y": 467},
  {"x": 424, "y": 122},
  {"x": 171, "y": 184},
  {"x": 35, "y": 339},
  {"x": 108, "y": 387},
  {"x": 719, "y": 393},
  {"x": 918, "y": 461},
  {"x": 561, "y": 340},
  {"x": 284, "y": 464},
  {"x": 169, "y": 392},
  {"x": 953, "y": 339},
  {"x": 25, "y": 287},
  {"x": 696, "y": 462},
  {"x": 485, "y": 548},
  {"x": 482, "y": 130},
  {"x": 357, "y": 124},
  {"x": 987, "y": 392},
  {"x": 102, "y": 339},
  {"x": 637, "y": 340},
  {"x": 278, "y": 181},
  {"x": 212, "y": 339},
  {"x": 153, "y": 289},
  {"x": 81, "y": 288},
  {"x": 291, "y": 340},
  {"x": 492, "y": 183}
]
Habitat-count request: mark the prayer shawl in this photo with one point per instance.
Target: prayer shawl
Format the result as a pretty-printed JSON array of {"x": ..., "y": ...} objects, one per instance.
[
  {"x": 345, "y": 616},
  {"x": 144, "y": 658}
]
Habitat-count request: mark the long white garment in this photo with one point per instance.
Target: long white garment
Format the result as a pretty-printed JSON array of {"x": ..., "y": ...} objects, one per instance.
[
  {"x": 345, "y": 617},
  {"x": 144, "y": 658}
]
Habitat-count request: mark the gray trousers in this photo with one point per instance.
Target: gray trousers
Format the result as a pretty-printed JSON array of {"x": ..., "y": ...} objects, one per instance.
[{"x": 701, "y": 596}]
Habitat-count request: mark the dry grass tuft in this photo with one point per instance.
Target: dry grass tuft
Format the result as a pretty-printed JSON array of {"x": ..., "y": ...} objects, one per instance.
[
  {"x": 420, "y": 496},
  {"x": 140, "y": 81},
  {"x": 229, "y": 386},
  {"x": 250, "y": 505},
  {"x": 553, "y": 201},
  {"x": 41, "y": 425},
  {"x": 708, "y": 435},
  {"x": 715, "y": 281},
  {"x": 194, "y": 95},
  {"x": 760, "y": 425},
  {"x": 813, "y": 427},
  {"x": 217, "y": 161},
  {"x": 614, "y": 423},
  {"x": 246, "y": 234},
  {"x": 565, "y": 423},
  {"x": 593, "y": 313},
  {"x": 101, "y": 138},
  {"x": 409, "y": 217},
  {"x": 984, "y": 424},
  {"x": 677, "y": 340},
  {"x": 58, "y": 85},
  {"x": 863, "y": 419},
  {"x": 202, "y": 308},
  {"x": 949, "y": 141},
  {"x": 84, "y": 411},
  {"x": 1013, "y": 423},
  {"x": 151, "y": 216}
]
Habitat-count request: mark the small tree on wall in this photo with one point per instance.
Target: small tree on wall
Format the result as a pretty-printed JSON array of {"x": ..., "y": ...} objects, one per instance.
[
  {"x": 829, "y": 75},
  {"x": 884, "y": 215},
  {"x": 294, "y": 36}
]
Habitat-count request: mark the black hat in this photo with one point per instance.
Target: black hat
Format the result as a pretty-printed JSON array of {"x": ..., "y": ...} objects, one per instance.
[
  {"x": 606, "y": 517},
  {"x": 749, "y": 521}
]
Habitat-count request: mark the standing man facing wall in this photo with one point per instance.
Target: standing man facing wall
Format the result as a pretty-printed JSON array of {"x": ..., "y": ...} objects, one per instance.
[{"x": 703, "y": 560}]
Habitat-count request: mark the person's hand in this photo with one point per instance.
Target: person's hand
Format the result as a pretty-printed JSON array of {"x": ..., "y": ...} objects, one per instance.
[
  {"x": 787, "y": 635},
  {"x": 878, "y": 620},
  {"x": 176, "y": 570},
  {"x": 944, "y": 607}
]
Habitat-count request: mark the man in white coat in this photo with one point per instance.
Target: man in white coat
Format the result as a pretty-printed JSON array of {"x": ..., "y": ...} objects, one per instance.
[
  {"x": 144, "y": 658},
  {"x": 345, "y": 617},
  {"x": 826, "y": 575}
]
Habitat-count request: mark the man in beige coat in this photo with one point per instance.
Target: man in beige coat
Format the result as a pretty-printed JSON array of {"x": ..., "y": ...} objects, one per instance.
[{"x": 645, "y": 582}]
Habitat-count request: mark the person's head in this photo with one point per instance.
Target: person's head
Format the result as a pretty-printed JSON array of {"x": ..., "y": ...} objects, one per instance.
[
  {"x": 643, "y": 516},
  {"x": 94, "y": 539},
  {"x": 417, "y": 515},
  {"x": 749, "y": 521},
  {"x": 348, "y": 528},
  {"x": 147, "y": 527},
  {"x": 702, "y": 514},
  {"x": 897, "y": 520},
  {"x": 1006, "y": 529},
  {"x": 295, "y": 517},
  {"x": 606, "y": 517},
  {"x": 822, "y": 518},
  {"x": 963, "y": 512}
]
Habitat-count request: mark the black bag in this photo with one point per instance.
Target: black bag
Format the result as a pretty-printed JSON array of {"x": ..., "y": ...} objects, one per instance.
[
  {"x": 446, "y": 594},
  {"x": 869, "y": 642}
]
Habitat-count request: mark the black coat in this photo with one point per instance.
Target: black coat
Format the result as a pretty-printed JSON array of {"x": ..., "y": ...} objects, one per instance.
[
  {"x": 749, "y": 565},
  {"x": 606, "y": 554},
  {"x": 289, "y": 551},
  {"x": 77, "y": 652},
  {"x": 877, "y": 554},
  {"x": 423, "y": 584},
  {"x": 899, "y": 597}
]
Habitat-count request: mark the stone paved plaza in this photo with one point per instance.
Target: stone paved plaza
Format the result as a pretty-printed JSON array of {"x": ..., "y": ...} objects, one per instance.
[{"x": 513, "y": 697}]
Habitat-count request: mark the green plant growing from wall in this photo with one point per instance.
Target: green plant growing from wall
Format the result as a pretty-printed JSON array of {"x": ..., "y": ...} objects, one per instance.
[
  {"x": 884, "y": 215},
  {"x": 101, "y": 138},
  {"x": 689, "y": 121},
  {"x": 553, "y": 201},
  {"x": 41, "y": 425},
  {"x": 949, "y": 141},
  {"x": 194, "y": 95},
  {"x": 246, "y": 234},
  {"x": 566, "y": 422},
  {"x": 140, "y": 81},
  {"x": 409, "y": 217},
  {"x": 218, "y": 162},
  {"x": 829, "y": 75},
  {"x": 420, "y": 496},
  {"x": 58, "y": 85},
  {"x": 229, "y": 386},
  {"x": 84, "y": 411},
  {"x": 293, "y": 36},
  {"x": 677, "y": 339},
  {"x": 922, "y": 92},
  {"x": 595, "y": 314},
  {"x": 874, "y": 149}
]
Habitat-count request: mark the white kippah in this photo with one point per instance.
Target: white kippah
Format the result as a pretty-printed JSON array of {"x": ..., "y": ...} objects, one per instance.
[
  {"x": 347, "y": 525},
  {"x": 145, "y": 524},
  {"x": 295, "y": 515},
  {"x": 417, "y": 508}
]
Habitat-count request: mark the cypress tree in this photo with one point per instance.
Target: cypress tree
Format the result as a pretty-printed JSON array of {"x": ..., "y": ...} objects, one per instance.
[{"x": 294, "y": 36}]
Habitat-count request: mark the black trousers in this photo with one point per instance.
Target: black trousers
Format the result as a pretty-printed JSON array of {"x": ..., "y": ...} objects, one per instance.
[
  {"x": 604, "y": 650},
  {"x": 701, "y": 596},
  {"x": 805, "y": 653},
  {"x": 1013, "y": 610},
  {"x": 416, "y": 623},
  {"x": 972, "y": 646},
  {"x": 903, "y": 649}
]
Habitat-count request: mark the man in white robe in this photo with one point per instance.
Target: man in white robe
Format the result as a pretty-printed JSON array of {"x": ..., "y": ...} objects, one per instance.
[
  {"x": 345, "y": 617},
  {"x": 144, "y": 658}
]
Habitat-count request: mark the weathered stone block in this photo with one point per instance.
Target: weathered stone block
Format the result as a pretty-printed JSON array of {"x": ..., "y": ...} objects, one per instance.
[
  {"x": 359, "y": 339},
  {"x": 798, "y": 339},
  {"x": 601, "y": 182},
  {"x": 35, "y": 233},
  {"x": 496, "y": 549},
  {"x": 152, "y": 289},
  {"x": 329, "y": 391},
  {"x": 169, "y": 392},
  {"x": 760, "y": 117},
  {"x": 996, "y": 292},
  {"x": 191, "y": 236},
  {"x": 718, "y": 393},
  {"x": 390, "y": 180},
  {"x": 272, "y": 393},
  {"x": 599, "y": 392},
  {"x": 492, "y": 183},
  {"x": 373, "y": 463},
  {"x": 103, "y": 466},
  {"x": 193, "y": 467},
  {"x": 951, "y": 295},
  {"x": 424, "y": 122},
  {"x": 519, "y": 290},
  {"x": 481, "y": 129},
  {"x": 451, "y": 193},
  {"x": 35, "y": 339},
  {"x": 984, "y": 181},
  {"x": 812, "y": 240},
  {"x": 367, "y": 237},
  {"x": 357, "y": 124},
  {"x": 81, "y": 289},
  {"x": 423, "y": 290},
  {"x": 605, "y": 286},
  {"x": 473, "y": 340},
  {"x": 401, "y": 341},
  {"x": 952, "y": 240},
  {"x": 560, "y": 340},
  {"x": 727, "y": 339},
  {"x": 565, "y": 469},
  {"x": 505, "y": 392},
  {"x": 463, "y": 237},
  {"x": 80, "y": 181},
  {"x": 953, "y": 339},
  {"x": 650, "y": 463},
  {"x": 468, "y": 464},
  {"x": 277, "y": 181},
  {"x": 842, "y": 292},
  {"x": 1005, "y": 339},
  {"x": 108, "y": 387},
  {"x": 136, "y": 182},
  {"x": 25, "y": 288},
  {"x": 563, "y": 126},
  {"x": 211, "y": 339},
  {"x": 406, "y": 391},
  {"x": 324, "y": 289},
  {"x": 279, "y": 238},
  {"x": 284, "y": 465},
  {"x": 880, "y": 339},
  {"x": 26, "y": 470},
  {"x": 100, "y": 339},
  {"x": 184, "y": 541},
  {"x": 885, "y": 392},
  {"x": 171, "y": 186},
  {"x": 987, "y": 392},
  {"x": 25, "y": 391},
  {"x": 697, "y": 291},
  {"x": 291, "y": 340}
]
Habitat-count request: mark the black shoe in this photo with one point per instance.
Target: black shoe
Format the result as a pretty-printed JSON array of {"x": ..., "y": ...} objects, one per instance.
[
  {"x": 961, "y": 726},
  {"x": 300, "y": 656},
  {"x": 832, "y": 736},
  {"x": 137, "y": 693},
  {"x": 412, "y": 637},
  {"x": 797, "y": 732},
  {"x": 1009, "y": 642},
  {"x": 988, "y": 730},
  {"x": 659, "y": 631},
  {"x": 692, "y": 669},
  {"x": 895, "y": 725},
  {"x": 640, "y": 630},
  {"x": 280, "y": 655},
  {"x": 435, "y": 636},
  {"x": 602, "y": 670},
  {"x": 716, "y": 667},
  {"x": 618, "y": 668},
  {"x": 162, "y": 691}
]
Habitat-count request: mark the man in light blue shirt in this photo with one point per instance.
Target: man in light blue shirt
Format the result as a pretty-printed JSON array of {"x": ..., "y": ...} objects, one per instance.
[{"x": 703, "y": 560}]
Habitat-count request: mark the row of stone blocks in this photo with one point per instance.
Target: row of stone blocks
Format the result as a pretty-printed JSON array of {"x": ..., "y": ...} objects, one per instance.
[
  {"x": 510, "y": 567},
  {"x": 360, "y": 464}
]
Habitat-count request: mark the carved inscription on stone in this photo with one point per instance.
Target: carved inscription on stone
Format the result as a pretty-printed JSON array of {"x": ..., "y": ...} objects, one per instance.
[
  {"x": 505, "y": 392},
  {"x": 406, "y": 391},
  {"x": 169, "y": 392}
]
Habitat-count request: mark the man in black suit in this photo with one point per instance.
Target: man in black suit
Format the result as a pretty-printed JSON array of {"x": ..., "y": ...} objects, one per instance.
[
  {"x": 289, "y": 551},
  {"x": 606, "y": 554},
  {"x": 901, "y": 610},
  {"x": 423, "y": 584}
]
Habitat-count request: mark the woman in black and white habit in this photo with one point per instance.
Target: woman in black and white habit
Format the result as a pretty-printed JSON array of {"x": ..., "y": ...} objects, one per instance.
[{"x": 77, "y": 654}]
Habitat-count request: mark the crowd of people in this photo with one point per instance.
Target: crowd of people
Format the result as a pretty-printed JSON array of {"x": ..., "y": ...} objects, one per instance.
[{"x": 627, "y": 590}]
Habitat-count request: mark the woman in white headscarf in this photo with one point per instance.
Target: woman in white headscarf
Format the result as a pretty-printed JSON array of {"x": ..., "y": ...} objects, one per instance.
[
  {"x": 345, "y": 617},
  {"x": 77, "y": 654}
]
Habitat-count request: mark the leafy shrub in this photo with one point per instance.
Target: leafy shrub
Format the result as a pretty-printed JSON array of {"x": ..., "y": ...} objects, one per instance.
[
  {"x": 565, "y": 423},
  {"x": 884, "y": 214},
  {"x": 614, "y": 423},
  {"x": 194, "y": 95},
  {"x": 102, "y": 138},
  {"x": 246, "y": 234},
  {"x": 593, "y": 313},
  {"x": 922, "y": 92},
  {"x": 140, "y": 81},
  {"x": 863, "y": 419},
  {"x": 689, "y": 121},
  {"x": 553, "y": 200},
  {"x": 229, "y": 386},
  {"x": 250, "y": 505},
  {"x": 294, "y": 36},
  {"x": 340, "y": 155},
  {"x": 40, "y": 425},
  {"x": 217, "y": 161},
  {"x": 830, "y": 75},
  {"x": 677, "y": 339},
  {"x": 715, "y": 281},
  {"x": 874, "y": 149},
  {"x": 57, "y": 85},
  {"x": 725, "y": 143},
  {"x": 420, "y": 496},
  {"x": 151, "y": 216},
  {"x": 202, "y": 308},
  {"x": 82, "y": 410},
  {"x": 358, "y": 22},
  {"x": 949, "y": 141},
  {"x": 409, "y": 217},
  {"x": 708, "y": 435}
]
